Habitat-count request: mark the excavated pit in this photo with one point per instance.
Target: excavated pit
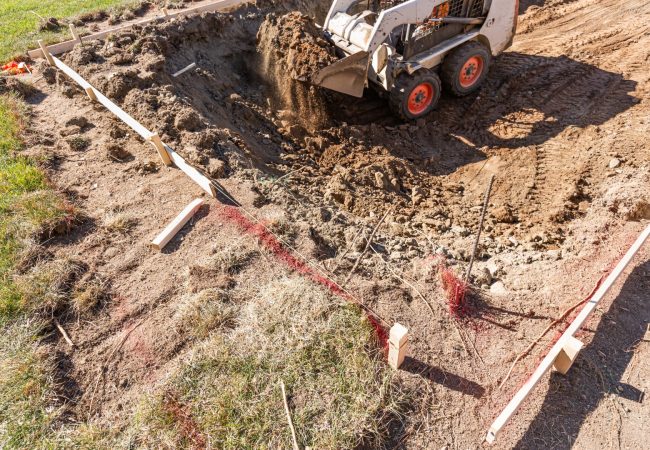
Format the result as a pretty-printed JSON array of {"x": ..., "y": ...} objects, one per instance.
[{"x": 243, "y": 108}]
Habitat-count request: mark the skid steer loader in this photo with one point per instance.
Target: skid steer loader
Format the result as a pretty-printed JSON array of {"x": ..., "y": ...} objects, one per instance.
[{"x": 410, "y": 49}]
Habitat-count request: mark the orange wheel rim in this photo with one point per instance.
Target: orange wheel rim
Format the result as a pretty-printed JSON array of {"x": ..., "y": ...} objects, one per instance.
[
  {"x": 420, "y": 98},
  {"x": 471, "y": 71}
]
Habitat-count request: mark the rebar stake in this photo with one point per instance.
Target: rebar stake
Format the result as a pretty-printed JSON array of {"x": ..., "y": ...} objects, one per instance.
[{"x": 480, "y": 227}]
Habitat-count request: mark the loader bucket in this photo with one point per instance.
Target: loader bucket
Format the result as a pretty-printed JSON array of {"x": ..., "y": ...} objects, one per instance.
[{"x": 348, "y": 75}]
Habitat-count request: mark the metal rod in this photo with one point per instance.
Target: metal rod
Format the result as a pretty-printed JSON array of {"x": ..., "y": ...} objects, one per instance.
[
  {"x": 461, "y": 20},
  {"x": 480, "y": 227}
]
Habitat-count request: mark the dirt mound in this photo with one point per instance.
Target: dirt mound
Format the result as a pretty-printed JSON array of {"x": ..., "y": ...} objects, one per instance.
[
  {"x": 297, "y": 44},
  {"x": 240, "y": 109},
  {"x": 292, "y": 50},
  {"x": 9, "y": 84}
]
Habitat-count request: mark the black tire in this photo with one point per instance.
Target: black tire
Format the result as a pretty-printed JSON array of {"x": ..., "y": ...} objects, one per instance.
[
  {"x": 456, "y": 76},
  {"x": 424, "y": 86}
]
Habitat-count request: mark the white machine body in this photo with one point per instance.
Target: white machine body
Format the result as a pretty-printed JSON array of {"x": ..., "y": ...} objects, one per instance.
[{"x": 365, "y": 38}]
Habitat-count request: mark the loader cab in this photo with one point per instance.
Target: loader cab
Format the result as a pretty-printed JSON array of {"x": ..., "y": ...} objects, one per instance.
[
  {"x": 422, "y": 37},
  {"x": 412, "y": 49}
]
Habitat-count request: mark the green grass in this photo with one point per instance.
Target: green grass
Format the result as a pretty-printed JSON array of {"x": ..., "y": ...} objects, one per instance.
[
  {"x": 27, "y": 206},
  {"x": 228, "y": 394},
  {"x": 19, "y": 27}
]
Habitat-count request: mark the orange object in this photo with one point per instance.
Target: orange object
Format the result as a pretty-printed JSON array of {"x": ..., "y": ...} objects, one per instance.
[
  {"x": 471, "y": 71},
  {"x": 15, "y": 68},
  {"x": 420, "y": 97}
]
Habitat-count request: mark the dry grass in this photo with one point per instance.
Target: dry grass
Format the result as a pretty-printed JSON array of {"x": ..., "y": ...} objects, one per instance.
[
  {"x": 119, "y": 222},
  {"x": 232, "y": 258},
  {"x": 88, "y": 293},
  {"x": 208, "y": 310},
  {"x": 26, "y": 387},
  {"x": 228, "y": 393},
  {"x": 46, "y": 287}
]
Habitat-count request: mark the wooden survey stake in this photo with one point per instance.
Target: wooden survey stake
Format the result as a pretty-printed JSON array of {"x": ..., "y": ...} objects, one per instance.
[
  {"x": 91, "y": 93},
  {"x": 397, "y": 345},
  {"x": 46, "y": 54},
  {"x": 174, "y": 227},
  {"x": 74, "y": 33},
  {"x": 567, "y": 355},
  {"x": 164, "y": 156}
]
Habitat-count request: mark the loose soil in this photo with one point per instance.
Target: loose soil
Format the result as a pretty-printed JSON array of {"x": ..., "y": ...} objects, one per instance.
[{"x": 562, "y": 122}]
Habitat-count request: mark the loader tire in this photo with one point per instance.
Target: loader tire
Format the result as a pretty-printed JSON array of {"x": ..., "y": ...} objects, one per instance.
[
  {"x": 465, "y": 68},
  {"x": 414, "y": 96}
]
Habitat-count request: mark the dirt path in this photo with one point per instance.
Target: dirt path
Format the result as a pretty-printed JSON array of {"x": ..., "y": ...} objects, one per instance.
[{"x": 562, "y": 122}]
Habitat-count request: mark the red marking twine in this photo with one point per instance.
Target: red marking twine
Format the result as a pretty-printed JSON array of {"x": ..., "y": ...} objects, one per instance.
[
  {"x": 455, "y": 289},
  {"x": 265, "y": 237},
  {"x": 564, "y": 324}
]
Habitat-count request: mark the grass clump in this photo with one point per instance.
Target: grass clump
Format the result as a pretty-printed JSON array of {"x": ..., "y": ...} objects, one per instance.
[
  {"x": 87, "y": 294},
  {"x": 228, "y": 393},
  {"x": 208, "y": 310},
  {"x": 118, "y": 222},
  {"x": 233, "y": 258},
  {"x": 78, "y": 143},
  {"x": 47, "y": 286},
  {"x": 26, "y": 387}
]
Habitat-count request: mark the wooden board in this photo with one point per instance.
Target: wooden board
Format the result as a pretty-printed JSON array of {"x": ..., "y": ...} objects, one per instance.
[
  {"x": 62, "y": 47},
  {"x": 175, "y": 225},
  {"x": 136, "y": 126},
  {"x": 191, "y": 172},
  {"x": 566, "y": 337}
]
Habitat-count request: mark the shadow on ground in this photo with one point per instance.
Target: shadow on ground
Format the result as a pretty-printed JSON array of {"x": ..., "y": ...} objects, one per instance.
[
  {"x": 442, "y": 377},
  {"x": 597, "y": 372}
]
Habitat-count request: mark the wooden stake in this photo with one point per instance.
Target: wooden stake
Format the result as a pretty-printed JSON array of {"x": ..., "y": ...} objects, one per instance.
[
  {"x": 286, "y": 409},
  {"x": 174, "y": 227},
  {"x": 164, "y": 156},
  {"x": 564, "y": 360},
  {"x": 397, "y": 345},
  {"x": 74, "y": 33},
  {"x": 63, "y": 333},
  {"x": 566, "y": 337},
  {"x": 165, "y": 11},
  {"x": 91, "y": 94},
  {"x": 46, "y": 54}
]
